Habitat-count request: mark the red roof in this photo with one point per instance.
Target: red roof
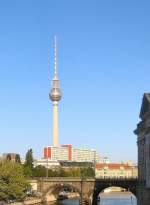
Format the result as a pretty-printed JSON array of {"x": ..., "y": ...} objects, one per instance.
[{"x": 113, "y": 166}]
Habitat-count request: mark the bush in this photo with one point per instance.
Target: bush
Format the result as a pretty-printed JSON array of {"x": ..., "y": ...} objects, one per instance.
[{"x": 13, "y": 185}]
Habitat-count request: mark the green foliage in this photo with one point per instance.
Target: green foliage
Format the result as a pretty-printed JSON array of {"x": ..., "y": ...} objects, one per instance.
[
  {"x": 87, "y": 172},
  {"x": 73, "y": 172},
  {"x": 13, "y": 185},
  {"x": 39, "y": 171},
  {"x": 61, "y": 172},
  {"x": 27, "y": 171},
  {"x": 81, "y": 172},
  {"x": 53, "y": 173},
  {"x": 29, "y": 159}
]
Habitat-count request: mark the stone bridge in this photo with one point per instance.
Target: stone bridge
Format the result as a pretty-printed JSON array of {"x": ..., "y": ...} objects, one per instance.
[
  {"x": 130, "y": 184},
  {"x": 87, "y": 188}
]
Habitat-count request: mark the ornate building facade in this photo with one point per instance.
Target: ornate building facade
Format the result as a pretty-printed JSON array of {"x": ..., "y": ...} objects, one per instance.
[
  {"x": 143, "y": 141},
  {"x": 116, "y": 170}
]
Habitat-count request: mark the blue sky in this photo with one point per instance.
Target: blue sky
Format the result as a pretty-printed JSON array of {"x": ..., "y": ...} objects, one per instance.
[{"x": 104, "y": 50}]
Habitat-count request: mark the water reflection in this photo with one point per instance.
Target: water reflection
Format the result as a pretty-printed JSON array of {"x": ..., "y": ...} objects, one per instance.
[
  {"x": 118, "y": 199},
  {"x": 66, "y": 202},
  {"x": 106, "y": 199}
]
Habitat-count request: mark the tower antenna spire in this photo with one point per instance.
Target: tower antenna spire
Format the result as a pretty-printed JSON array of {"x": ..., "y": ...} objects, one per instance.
[
  {"x": 55, "y": 58},
  {"x": 55, "y": 96}
]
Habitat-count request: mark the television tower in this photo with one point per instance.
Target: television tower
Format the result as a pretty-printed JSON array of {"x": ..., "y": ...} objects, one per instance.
[{"x": 55, "y": 96}]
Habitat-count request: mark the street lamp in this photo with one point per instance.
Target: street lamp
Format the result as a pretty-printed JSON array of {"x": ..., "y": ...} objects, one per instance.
[
  {"x": 47, "y": 169},
  {"x": 94, "y": 163},
  {"x": 81, "y": 197},
  {"x": 46, "y": 156}
]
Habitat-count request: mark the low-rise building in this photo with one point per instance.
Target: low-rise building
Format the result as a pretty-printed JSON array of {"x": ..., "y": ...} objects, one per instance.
[
  {"x": 116, "y": 170},
  {"x": 104, "y": 160},
  {"x": 76, "y": 165},
  {"x": 46, "y": 163}
]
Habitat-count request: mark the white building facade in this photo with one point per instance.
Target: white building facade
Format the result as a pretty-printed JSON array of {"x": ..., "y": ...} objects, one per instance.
[{"x": 69, "y": 153}]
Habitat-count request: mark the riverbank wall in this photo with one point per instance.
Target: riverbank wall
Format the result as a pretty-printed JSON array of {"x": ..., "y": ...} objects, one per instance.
[
  {"x": 27, "y": 202},
  {"x": 33, "y": 201}
]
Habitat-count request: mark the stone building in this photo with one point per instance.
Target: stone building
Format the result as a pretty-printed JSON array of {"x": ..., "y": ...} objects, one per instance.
[
  {"x": 143, "y": 141},
  {"x": 12, "y": 157}
]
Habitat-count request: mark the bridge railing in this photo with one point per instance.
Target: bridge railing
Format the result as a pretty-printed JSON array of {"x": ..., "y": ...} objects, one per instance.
[
  {"x": 117, "y": 178},
  {"x": 86, "y": 178}
]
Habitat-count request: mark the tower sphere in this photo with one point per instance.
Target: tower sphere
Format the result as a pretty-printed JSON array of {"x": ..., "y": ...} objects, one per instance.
[{"x": 55, "y": 93}]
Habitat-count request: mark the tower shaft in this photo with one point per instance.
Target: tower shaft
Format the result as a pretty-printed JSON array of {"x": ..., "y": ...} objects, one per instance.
[
  {"x": 55, "y": 96},
  {"x": 55, "y": 124}
]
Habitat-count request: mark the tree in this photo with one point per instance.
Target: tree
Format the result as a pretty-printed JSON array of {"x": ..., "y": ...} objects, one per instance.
[
  {"x": 52, "y": 173},
  {"x": 17, "y": 158},
  {"x": 61, "y": 172},
  {"x": 13, "y": 185},
  {"x": 27, "y": 171},
  {"x": 29, "y": 159},
  {"x": 87, "y": 172},
  {"x": 39, "y": 171}
]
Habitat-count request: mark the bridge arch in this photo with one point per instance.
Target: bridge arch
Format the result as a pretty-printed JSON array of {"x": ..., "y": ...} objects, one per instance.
[
  {"x": 52, "y": 192},
  {"x": 99, "y": 188}
]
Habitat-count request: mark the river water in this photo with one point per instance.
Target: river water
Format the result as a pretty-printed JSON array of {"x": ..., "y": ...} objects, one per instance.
[{"x": 106, "y": 199}]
